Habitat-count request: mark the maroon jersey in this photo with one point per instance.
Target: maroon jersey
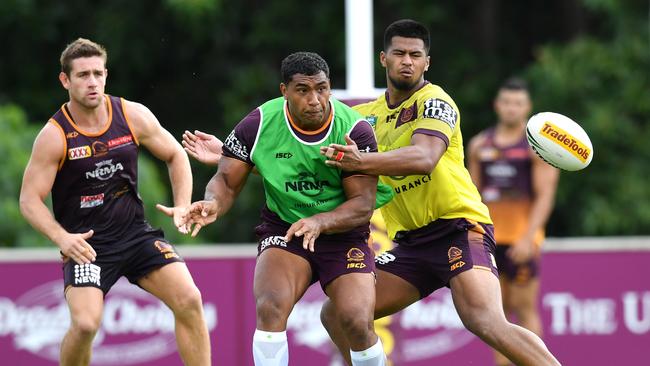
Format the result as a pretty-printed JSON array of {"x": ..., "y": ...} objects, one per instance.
[
  {"x": 96, "y": 186},
  {"x": 506, "y": 186},
  {"x": 505, "y": 170}
]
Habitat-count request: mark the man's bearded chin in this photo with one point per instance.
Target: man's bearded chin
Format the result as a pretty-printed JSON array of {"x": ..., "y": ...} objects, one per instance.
[{"x": 402, "y": 85}]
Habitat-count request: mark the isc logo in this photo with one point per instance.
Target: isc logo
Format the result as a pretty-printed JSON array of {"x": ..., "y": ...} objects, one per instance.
[
  {"x": 356, "y": 265},
  {"x": 282, "y": 155},
  {"x": 457, "y": 265}
]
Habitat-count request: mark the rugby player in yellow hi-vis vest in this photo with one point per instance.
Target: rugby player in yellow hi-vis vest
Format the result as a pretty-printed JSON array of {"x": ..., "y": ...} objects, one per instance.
[{"x": 442, "y": 229}]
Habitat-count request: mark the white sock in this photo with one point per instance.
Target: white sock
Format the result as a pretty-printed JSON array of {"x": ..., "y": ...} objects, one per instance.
[
  {"x": 270, "y": 348},
  {"x": 373, "y": 356}
]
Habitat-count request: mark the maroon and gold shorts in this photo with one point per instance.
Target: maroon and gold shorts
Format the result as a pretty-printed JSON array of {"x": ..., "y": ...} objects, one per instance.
[
  {"x": 147, "y": 251},
  {"x": 333, "y": 256},
  {"x": 430, "y": 256}
]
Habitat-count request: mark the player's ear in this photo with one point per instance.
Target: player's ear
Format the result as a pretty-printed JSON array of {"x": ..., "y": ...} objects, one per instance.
[
  {"x": 426, "y": 68},
  {"x": 65, "y": 81},
  {"x": 283, "y": 90},
  {"x": 382, "y": 58}
]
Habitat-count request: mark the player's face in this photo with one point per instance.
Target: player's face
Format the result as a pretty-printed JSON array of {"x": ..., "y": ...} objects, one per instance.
[
  {"x": 512, "y": 106},
  {"x": 405, "y": 61},
  {"x": 86, "y": 81},
  {"x": 308, "y": 99}
]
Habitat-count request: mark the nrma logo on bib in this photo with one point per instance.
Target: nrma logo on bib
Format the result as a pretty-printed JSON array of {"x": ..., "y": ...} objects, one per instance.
[
  {"x": 104, "y": 170},
  {"x": 307, "y": 184},
  {"x": 136, "y": 327}
]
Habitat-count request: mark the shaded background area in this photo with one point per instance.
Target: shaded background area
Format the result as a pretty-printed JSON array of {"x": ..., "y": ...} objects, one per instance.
[{"x": 204, "y": 64}]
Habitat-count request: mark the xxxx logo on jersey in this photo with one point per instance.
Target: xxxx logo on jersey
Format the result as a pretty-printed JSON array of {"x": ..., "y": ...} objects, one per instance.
[{"x": 80, "y": 152}]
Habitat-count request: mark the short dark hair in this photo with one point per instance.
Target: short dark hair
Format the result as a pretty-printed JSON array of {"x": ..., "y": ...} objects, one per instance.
[
  {"x": 515, "y": 84},
  {"x": 406, "y": 28},
  {"x": 306, "y": 63},
  {"x": 81, "y": 47}
]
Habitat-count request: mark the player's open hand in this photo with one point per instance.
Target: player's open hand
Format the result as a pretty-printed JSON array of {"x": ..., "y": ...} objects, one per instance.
[
  {"x": 522, "y": 251},
  {"x": 202, "y": 146},
  {"x": 76, "y": 247},
  {"x": 309, "y": 228},
  {"x": 346, "y": 157},
  {"x": 177, "y": 213},
  {"x": 200, "y": 214}
]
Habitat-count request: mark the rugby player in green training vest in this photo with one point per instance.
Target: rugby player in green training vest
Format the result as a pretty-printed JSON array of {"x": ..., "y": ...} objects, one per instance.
[{"x": 315, "y": 221}]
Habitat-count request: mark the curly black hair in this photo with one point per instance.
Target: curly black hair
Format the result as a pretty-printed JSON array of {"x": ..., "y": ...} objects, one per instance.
[{"x": 306, "y": 63}]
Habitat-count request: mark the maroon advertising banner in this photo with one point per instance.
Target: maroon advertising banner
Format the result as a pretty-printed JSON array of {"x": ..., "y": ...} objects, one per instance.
[{"x": 595, "y": 308}]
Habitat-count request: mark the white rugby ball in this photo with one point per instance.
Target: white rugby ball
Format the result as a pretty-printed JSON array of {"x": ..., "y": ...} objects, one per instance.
[{"x": 559, "y": 141}]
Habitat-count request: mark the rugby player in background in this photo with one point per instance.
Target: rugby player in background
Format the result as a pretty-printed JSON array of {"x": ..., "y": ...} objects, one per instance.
[
  {"x": 86, "y": 156},
  {"x": 519, "y": 189}
]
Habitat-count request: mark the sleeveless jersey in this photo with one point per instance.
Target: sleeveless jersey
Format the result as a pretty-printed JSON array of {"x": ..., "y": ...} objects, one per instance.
[
  {"x": 506, "y": 186},
  {"x": 303, "y": 185},
  {"x": 447, "y": 192},
  {"x": 96, "y": 185}
]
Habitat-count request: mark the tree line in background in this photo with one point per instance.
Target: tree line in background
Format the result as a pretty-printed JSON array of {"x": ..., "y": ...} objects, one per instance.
[{"x": 204, "y": 64}]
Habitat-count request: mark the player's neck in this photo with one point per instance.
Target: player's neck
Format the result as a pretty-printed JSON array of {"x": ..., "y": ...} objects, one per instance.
[
  {"x": 397, "y": 96},
  {"x": 90, "y": 119},
  {"x": 508, "y": 132}
]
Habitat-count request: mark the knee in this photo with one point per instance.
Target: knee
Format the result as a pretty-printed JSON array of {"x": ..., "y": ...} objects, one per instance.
[
  {"x": 187, "y": 301},
  {"x": 357, "y": 323},
  {"x": 483, "y": 323},
  {"x": 327, "y": 315},
  {"x": 486, "y": 324},
  {"x": 86, "y": 325},
  {"x": 272, "y": 308},
  {"x": 481, "y": 327}
]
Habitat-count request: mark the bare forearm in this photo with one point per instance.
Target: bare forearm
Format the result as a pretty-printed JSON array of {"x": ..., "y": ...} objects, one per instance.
[
  {"x": 180, "y": 175},
  {"x": 40, "y": 218},
  {"x": 218, "y": 190},
  {"x": 349, "y": 215},
  {"x": 409, "y": 160}
]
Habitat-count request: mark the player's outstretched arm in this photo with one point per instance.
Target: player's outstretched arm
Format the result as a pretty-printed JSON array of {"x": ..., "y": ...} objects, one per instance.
[
  {"x": 220, "y": 193},
  {"x": 421, "y": 157},
  {"x": 163, "y": 146},
  {"x": 38, "y": 179},
  {"x": 202, "y": 146},
  {"x": 360, "y": 191}
]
